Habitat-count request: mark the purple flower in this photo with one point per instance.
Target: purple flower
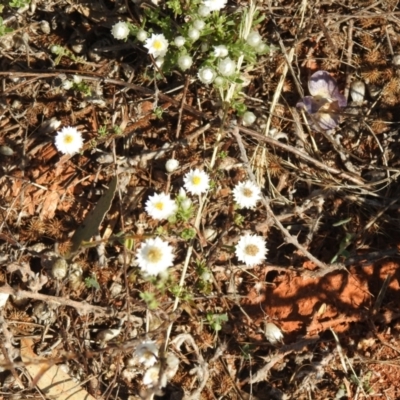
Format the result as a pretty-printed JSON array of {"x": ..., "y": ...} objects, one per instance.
[{"x": 324, "y": 104}]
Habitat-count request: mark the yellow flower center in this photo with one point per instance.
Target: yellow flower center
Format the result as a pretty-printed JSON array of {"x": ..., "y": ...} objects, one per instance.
[
  {"x": 154, "y": 255},
  {"x": 247, "y": 192},
  {"x": 196, "y": 180},
  {"x": 251, "y": 250},
  {"x": 159, "y": 206},
  {"x": 68, "y": 139},
  {"x": 157, "y": 44}
]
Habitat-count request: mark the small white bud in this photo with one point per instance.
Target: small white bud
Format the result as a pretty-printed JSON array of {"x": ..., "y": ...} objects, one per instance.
[
  {"x": 77, "y": 79},
  {"x": 261, "y": 48},
  {"x": 141, "y": 35},
  {"x": 186, "y": 204},
  {"x": 219, "y": 81},
  {"x": 254, "y": 39},
  {"x": 220, "y": 51},
  {"x": 179, "y": 41},
  {"x": 273, "y": 333},
  {"x": 206, "y": 75},
  {"x": 205, "y": 47},
  {"x": 120, "y": 30},
  {"x": 227, "y": 67},
  {"x": 45, "y": 27},
  {"x": 193, "y": 34},
  {"x": 159, "y": 61},
  {"x": 204, "y": 11},
  {"x": 66, "y": 85},
  {"x": 182, "y": 193},
  {"x": 171, "y": 165},
  {"x": 248, "y": 118},
  {"x": 185, "y": 62},
  {"x": 199, "y": 24}
]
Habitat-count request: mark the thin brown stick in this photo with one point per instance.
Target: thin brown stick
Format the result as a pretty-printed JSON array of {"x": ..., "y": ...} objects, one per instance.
[{"x": 81, "y": 307}]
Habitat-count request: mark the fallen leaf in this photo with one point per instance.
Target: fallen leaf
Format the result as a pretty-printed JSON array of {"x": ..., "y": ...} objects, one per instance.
[{"x": 51, "y": 379}]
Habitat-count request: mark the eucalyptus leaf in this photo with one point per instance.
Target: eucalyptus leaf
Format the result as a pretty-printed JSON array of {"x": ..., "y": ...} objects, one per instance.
[{"x": 90, "y": 225}]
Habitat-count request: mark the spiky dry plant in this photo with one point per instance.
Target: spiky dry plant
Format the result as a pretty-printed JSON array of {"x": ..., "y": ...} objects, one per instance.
[
  {"x": 390, "y": 100},
  {"x": 330, "y": 63},
  {"x": 35, "y": 228},
  {"x": 375, "y": 57},
  {"x": 367, "y": 40},
  {"x": 371, "y": 75},
  {"x": 274, "y": 165},
  {"x": 64, "y": 247},
  {"x": 379, "y": 126},
  {"x": 26, "y": 322},
  {"x": 54, "y": 228}
]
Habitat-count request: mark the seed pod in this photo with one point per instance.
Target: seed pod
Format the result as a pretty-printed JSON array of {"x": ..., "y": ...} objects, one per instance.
[
  {"x": 75, "y": 276},
  {"x": 107, "y": 334},
  {"x": 273, "y": 333},
  {"x": 357, "y": 91},
  {"x": 45, "y": 27},
  {"x": 6, "y": 151},
  {"x": 59, "y": 269}
]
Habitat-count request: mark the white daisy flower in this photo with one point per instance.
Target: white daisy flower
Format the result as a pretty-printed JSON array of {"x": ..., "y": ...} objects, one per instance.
[
  {"x": 157, "y": 45},
  {"x": 220, "y": 51},
  {"x": 69, "y": 140},
  {"x": 227, "y": 67},
  {"x": 206, "y": 75},
  {"x": 196, "y": 181},
  {"x": 146, "y": 353},
  {"x": 171, "y": 165},
  {"x": 160, "y": 206},
  {"x": 251, "y": 250},
  {"x": 246, "y": 194},
  {"x": 120, "y": 30},
  {"x": 154, "y": 256},
  {"x": 215, "y": 5}
]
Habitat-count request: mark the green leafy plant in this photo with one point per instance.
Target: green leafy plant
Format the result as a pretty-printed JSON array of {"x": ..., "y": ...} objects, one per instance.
[
  {"x": 216, "y": 320},
  {"x": 92, "y": 283},
  {"x": 18, "y": 3},
  {"x": 3, "y": 29}
]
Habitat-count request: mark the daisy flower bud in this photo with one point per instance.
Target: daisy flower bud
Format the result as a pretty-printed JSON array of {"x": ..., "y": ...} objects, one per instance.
[
  {"x": 196, "y": 181},
  {"x": 199, "y": 24},
  {"x": 261, "y": 48},
  {"x": 171, "y": 165},
  {"x": 220, "y": 51},
  {"x": 193, "y": 34},
  {"x": 182, "y": 193},
  {"x": 204, "y": 47},
  {"x": 159, "y": 61},
  {"x": 69, "y": 140},
  {"x": 215, "y": 5},
  {"x": 157, "y": 45},
  {"x": 77, "y": 79},
  {"x": 248, "y": 118},
  {"x": 160, "y": 206},
  {"x": 251, "y": 250},
  {"x": 246, "y": 194},
  {"x": 254, "y": 39},
  {"x": 179, "y": 41},
  {"x": 154, "y": 256},
  {"x": 204, "y": 11},
  {"x": 186, "y": 204},
  {"x": 152, "y": 377},
  {"x": 141, "y": 35},
  {"x": 66, "y": 85},
  {"x": 273, "y": 333},
  {"x": 120, "y": 30},
  {"x": 227, "y": 67},
  {"x": 219, "y": 81},
  {"x": 185, "y": 62},
  {"x": 206, "y": 75}
]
